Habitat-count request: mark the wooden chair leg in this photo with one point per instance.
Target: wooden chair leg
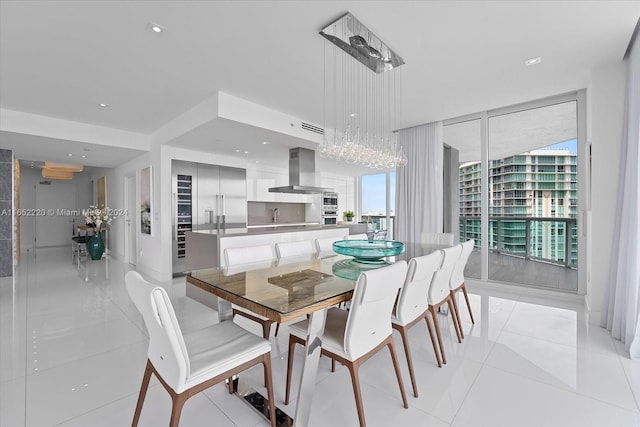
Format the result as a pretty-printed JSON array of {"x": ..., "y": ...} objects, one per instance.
[
  {"x": 272, "y": 401},
  {"x": 292, "y": 345},
  {"x": 466, "y": 298},
  {"x": 143, "y": 392},
  {"x": 436, "y": 325},
  {"x": 456, "y": 312},
  {"x": 396, "y": 366},
  {"x": 176, "y": 408},
  {"x": 407, "y": 353},
  {"x": 266, "y": 329},
  {"x": 454, "y": 318},
  {"x": 333, "y": 365},
  {"x": 277, "y": 329},
  {"x": 433, "y": 340},
  {"x": 230, "y": 384},
  {"x": 355, "y": 380}
]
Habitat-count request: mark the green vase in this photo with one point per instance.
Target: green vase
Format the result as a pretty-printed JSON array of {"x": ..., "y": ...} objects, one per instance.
[{"x": 95, "y": 246}]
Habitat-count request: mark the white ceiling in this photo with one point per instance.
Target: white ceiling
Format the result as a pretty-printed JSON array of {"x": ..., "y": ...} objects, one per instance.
[{"x": 62, "y": 58}]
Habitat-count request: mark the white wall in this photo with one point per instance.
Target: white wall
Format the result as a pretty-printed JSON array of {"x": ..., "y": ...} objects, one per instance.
[
  {"x": 148, "y": 247},
  {"x": 605, "y": 108}
]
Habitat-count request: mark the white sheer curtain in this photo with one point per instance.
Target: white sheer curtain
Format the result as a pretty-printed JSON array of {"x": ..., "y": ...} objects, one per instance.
[
  {"x": 622, "y": 300},
  {"x": 419, "y": 184}
]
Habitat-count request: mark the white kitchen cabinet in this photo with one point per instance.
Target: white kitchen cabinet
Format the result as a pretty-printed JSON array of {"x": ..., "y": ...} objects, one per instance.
[{"x": 259, "y": 182}]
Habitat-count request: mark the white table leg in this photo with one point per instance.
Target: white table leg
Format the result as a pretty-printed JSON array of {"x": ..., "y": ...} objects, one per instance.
[{"x": 310, "y": 367}]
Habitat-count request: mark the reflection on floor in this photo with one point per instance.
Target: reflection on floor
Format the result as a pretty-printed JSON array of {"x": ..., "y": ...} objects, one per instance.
[
  {"x": 510, "y": 269},
  {"x": 74, "y": 348}
]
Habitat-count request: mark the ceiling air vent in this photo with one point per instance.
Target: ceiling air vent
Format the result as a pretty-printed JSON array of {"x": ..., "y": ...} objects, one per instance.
[{"x": 312, "y": 128}]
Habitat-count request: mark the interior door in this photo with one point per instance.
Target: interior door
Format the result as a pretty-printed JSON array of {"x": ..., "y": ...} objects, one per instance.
[{"x": 55, "y": 201}]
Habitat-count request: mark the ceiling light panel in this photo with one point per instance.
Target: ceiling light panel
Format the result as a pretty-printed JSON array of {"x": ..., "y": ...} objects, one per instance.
[
  {"x": 56, "y": 174},
  {"x": 63, "y": 167}
]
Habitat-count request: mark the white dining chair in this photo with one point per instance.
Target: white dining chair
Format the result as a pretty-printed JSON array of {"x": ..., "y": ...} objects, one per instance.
[
  {"x": 247, "y": 255},
  {"x": 325, "y": 245},
  {"x": 351, "y": 337},
  {"x": 294, "y": 249},
  {"x": 438, "y": 239},
  {"x": 361, "y": 236},
  {"x": 250, "y": 255},
  {"x": 186, "y": 364},
  {"x": 456, "y": 284},
  {"x": 439, "y": 294},
  {"x": 412, "y": 306}
]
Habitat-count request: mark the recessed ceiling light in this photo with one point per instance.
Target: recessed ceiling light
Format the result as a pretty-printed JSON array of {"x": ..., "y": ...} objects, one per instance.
[
  {"x": 533, "y": 61},
  {"x": 265, "y": 143},
  {"x": 237, "y": 151},
  {"x": 70, "y": 155},
  {"x": 84, "y": 156},
  {"x": 156, "y": 28},
  {"x": 352, "y": 115},
  {"x": 103, "y": 105},
  {"x": 246, "y": 152}
]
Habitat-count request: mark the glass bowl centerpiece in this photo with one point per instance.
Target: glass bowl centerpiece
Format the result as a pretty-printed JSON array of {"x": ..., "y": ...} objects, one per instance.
[{"x": 368, "y": 251}]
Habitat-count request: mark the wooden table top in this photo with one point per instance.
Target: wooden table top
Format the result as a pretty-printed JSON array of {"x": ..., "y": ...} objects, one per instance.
[{"x": 279, "y": 291}]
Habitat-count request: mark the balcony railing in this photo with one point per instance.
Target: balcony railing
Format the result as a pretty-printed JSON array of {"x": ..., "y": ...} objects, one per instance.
[
  {"x": 379, "y": 222},
  {"x": 553, "y": 240}
]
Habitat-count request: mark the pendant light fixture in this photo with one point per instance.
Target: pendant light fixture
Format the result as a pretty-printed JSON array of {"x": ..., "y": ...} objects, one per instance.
[{"x": 363, "y": 88}]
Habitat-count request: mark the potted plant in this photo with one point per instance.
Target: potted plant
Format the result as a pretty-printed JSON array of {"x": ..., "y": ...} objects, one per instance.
[{"x": 349, "y": 215}]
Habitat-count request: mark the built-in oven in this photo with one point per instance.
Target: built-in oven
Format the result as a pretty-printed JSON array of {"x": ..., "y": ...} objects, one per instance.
[
  {"x": 329, "y": 208},
  {"x": 330, "y": 201},
  {"x": 329, "y": 220}
]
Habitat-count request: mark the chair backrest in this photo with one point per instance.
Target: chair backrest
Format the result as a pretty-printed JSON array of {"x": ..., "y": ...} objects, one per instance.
[
  {"x": 439, "y": 288},
  {"x": 413, "y": 296},
  {"x": 362, "y": 236},
  {"x": 235, "y": 256},
  {"x": 380, "y": 235},
  {"x": 243, "y": 268},
  {"x": 369, "y": 321},
  {"x": 167, "y": 350},
  {"x": 299, "y": 248},
  {"x": 441, "y": 239},
  {"x": 325, "y": 245},
  {"x": 457, "y": 277}
]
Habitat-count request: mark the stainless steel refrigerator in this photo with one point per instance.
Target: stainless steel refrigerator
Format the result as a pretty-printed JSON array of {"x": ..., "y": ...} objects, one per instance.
[{"x": 205, "y": 197}]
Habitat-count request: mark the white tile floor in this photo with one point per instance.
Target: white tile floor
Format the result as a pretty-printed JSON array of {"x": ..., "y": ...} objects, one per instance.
[{"x": 73, "y": 350}]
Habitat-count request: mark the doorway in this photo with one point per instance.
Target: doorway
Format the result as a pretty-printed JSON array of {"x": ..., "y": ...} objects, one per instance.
[
  {"x": 130, "y": 223},
  {"x": 55, "y": 203}
]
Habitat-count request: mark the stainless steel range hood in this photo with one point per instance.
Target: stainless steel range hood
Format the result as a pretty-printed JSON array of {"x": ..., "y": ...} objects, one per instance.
[{"x": 302, "y": 173}]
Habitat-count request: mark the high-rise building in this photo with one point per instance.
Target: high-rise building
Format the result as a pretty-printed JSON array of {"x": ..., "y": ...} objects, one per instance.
[{"x": 532, "y": 205}]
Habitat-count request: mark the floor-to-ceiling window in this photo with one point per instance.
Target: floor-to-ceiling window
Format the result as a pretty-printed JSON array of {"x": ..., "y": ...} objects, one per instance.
[
  {"x": 519, "y": 191},
  {"x": 378, "y": 201},
  {"x": 466, "y": 136}
]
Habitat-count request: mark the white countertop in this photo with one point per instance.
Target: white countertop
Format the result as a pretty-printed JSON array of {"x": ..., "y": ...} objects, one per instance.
[{"x": 268, "y": 229}]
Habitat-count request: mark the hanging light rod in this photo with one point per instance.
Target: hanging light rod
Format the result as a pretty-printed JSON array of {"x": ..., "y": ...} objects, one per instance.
[{"x": 358, "y": 41}]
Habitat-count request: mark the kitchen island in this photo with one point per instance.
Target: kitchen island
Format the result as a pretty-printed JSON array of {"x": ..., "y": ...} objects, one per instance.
[{"x": 205, "y": 248}]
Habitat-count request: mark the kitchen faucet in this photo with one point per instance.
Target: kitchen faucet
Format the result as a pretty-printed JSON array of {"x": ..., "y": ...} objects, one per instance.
[{"x": 275, "y": 215}]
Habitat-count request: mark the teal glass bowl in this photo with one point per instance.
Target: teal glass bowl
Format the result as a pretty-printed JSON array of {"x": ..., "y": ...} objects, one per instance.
[{"x": 368, "y": 251}]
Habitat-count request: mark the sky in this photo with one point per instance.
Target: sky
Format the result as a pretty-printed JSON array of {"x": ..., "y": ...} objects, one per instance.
[
  {"x": 571, "y": 144},
  {"x": 374, "y": 186},
  {"x": 374, "y": 192}
]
